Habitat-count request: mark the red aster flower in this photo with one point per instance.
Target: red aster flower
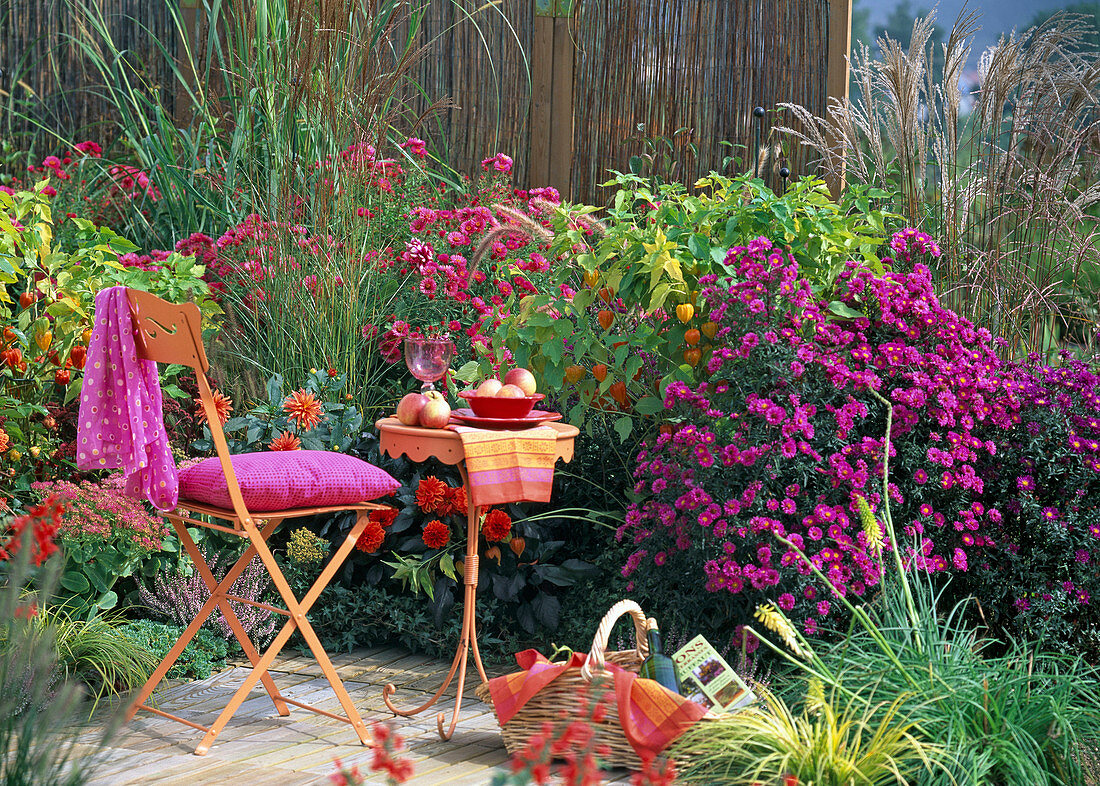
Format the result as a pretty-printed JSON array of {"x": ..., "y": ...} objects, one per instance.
[
  {"x": 436, "y": 534},
  {"x": 371, "y": 538},
  {"x": 456, "y": 501},
  {"x": 383, "y": 516},
  {"x": 431, "y": 495},
  {"x": 222, "y": 405},
  {"x": 496, "y": 526},
  {"x": 304, "y": 409},
  {"x": 285, "y": 441}
]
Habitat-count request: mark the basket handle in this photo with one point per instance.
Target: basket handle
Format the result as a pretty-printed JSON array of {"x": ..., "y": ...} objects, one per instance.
[{"x": 595, "y": 662}]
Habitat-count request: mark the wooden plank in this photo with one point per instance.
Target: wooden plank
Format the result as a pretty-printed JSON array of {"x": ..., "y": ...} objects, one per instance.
[
  {"x": 836, "y": 81},
  {"x": 542, "y": 67},
  {"x": 561, "y": 110}
]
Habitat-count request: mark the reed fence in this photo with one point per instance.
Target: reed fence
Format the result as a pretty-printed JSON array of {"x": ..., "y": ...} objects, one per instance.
[{"x": 568, "y": 88}]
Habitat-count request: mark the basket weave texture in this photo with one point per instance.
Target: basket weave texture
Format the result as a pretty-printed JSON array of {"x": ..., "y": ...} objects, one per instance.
[{"x": 559, "y": 703}]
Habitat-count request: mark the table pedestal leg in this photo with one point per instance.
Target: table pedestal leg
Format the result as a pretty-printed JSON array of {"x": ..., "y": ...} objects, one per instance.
[{"x": 467, "y": 639}]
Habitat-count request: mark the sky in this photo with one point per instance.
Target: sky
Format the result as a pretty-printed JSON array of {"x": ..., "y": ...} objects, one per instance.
[{"x": 997, "y": 16}]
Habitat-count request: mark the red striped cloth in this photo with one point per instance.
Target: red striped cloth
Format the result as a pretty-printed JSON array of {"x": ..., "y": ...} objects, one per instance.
[
  {"x": 652, "y": 718},
  {"x": 509, "y": 466}
]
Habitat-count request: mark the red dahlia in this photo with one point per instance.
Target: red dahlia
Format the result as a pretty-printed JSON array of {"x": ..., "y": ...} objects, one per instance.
[
  {"x": 496, "y": 526},
  {"x": 436, "y": 534},
  {"x": 371, "y": 538},
  {"x": 431, "y": 495}
]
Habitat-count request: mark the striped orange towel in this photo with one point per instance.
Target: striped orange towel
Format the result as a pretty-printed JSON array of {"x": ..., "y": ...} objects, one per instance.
[{"x": 509, "y": 466}]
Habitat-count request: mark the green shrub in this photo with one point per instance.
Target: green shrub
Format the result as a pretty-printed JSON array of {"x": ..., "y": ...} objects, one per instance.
[
  {"x": 628, "y": 319},
  {"x": 202, "y": 655}
]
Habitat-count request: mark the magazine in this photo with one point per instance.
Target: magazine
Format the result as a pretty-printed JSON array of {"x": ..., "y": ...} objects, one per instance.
[{"x": 707, "y": 679}]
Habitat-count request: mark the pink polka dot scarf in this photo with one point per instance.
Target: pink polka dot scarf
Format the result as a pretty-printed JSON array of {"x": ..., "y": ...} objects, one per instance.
[{"x": 121, "y": 419}]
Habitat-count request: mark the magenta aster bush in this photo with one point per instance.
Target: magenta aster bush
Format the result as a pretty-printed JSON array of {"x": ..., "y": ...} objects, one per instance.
[{"x": 992, "y": 466}]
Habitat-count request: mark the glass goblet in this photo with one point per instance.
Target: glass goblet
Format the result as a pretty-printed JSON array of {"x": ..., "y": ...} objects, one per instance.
[{"x": 428, "y": 359}]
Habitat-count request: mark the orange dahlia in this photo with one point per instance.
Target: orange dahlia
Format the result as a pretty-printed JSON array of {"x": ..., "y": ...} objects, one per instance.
[
  {"x": 285, "y": 441},
  {"x": 5, "y": 441},
  {"x": 496, "y": 526},
  {"x": 383, "y": 516},
  {"x": 222, "y": 405},
  {"x": 303, "y": 408},
  {"x": 371, "y": 538},
  {"x": 431, "y": 495},
  {"x": 456, "y": 501},
  {"x": 436, "y": 534}
]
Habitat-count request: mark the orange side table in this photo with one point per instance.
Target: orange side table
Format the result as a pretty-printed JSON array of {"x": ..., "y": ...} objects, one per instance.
[{"x": 420, "y": 444}]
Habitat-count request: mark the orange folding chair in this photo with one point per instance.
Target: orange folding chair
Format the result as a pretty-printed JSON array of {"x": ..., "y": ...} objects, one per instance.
[{"x": 170, "y": 333}]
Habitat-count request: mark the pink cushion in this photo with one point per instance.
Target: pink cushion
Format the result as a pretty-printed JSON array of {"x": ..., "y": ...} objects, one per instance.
[{"x": 283, "y": 480}]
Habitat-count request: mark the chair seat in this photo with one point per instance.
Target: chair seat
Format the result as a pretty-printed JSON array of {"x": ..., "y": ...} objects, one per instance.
[{"x": 286, "y": 480}]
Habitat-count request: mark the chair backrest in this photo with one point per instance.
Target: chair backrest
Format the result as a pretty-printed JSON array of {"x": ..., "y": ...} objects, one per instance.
[
  {"x": 172, "y": 333},
  {"x": 167, "y": 332}
]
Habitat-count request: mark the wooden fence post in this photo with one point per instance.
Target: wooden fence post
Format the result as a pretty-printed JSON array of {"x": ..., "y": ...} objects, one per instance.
[
  {"x": 188, "y": 35},
  {"x": 836, "y": 81},
  {"x": 551, "y": 152}
]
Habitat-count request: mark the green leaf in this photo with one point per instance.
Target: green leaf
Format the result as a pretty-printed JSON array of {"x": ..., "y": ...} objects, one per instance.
[
  {"x": 699, "y": 246},
  {"x": 75, "y": 582},
  {"x": 108, "y": 601},
  {"x": 275, "y": 390},
  {"x": 623, "y": 427},
  {"x": 844, "y": 310}
]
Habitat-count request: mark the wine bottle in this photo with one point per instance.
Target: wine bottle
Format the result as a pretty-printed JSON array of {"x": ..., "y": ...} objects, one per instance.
[{"x": 658, "y": 666}]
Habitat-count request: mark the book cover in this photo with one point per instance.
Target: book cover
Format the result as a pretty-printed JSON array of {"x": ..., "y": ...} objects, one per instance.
[{"x": 707, "y": 679}]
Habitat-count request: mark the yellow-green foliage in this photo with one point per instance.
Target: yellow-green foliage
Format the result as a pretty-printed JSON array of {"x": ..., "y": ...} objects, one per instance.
[
  {"x": 305, "y": 548},
  {"x": 824, "y": 745}
]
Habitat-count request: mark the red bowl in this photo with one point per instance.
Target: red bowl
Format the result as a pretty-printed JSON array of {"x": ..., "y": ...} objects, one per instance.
[{"x": 493, "y": 407}]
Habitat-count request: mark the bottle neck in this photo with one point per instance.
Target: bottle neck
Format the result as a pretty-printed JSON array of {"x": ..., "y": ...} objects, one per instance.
[{"x": 653, "y": 636}]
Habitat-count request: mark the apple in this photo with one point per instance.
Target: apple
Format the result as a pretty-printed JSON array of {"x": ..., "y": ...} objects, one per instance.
[
  {"x": 511, "y": 391},
  {"x": 488, "y": 388},
  {"x": 523, "y": 379},
  {"x": 409, "y": 408},
  {"x": 436, "y": 413}
]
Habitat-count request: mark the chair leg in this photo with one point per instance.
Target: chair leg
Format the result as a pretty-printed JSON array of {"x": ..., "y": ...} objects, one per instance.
[
  {"x": 177, "y": 649},
  {"x": 297, "y": 621},
  {"x": 218, "y": 590}
]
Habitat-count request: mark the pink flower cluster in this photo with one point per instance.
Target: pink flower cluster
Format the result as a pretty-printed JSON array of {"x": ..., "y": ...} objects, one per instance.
[
  {"x": 784, "y": 435},
  {"x": 102, "y": 511}
]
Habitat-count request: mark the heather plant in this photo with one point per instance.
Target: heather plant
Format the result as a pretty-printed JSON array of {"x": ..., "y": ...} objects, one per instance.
[
  {"x": 106, "y": 536},
  {"x": 177, "y": 598}
]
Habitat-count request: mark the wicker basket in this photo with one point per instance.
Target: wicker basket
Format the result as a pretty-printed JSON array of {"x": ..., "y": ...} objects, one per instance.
[{"x": 559, "y": 702}]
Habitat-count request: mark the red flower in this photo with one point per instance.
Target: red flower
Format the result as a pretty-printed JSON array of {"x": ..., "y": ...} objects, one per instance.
[
  {"x": 304, "y": 409},
  {"x": 436, "y": 534},
  {"x": 456, "y": 501},
  {"x": 431, "y": 495},
  {"x": 383, "y": 516},
  {"x": 222, "y": 405},
  {"x": 285, "y": 441},
  {"x": 496, "y": 526},
  {"x": 45, "y": 520},
  {"x": 371, "y": 538}
]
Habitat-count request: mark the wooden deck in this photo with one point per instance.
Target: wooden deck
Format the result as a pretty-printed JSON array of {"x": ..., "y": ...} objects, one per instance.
[{"x": 258, "y": 748}]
